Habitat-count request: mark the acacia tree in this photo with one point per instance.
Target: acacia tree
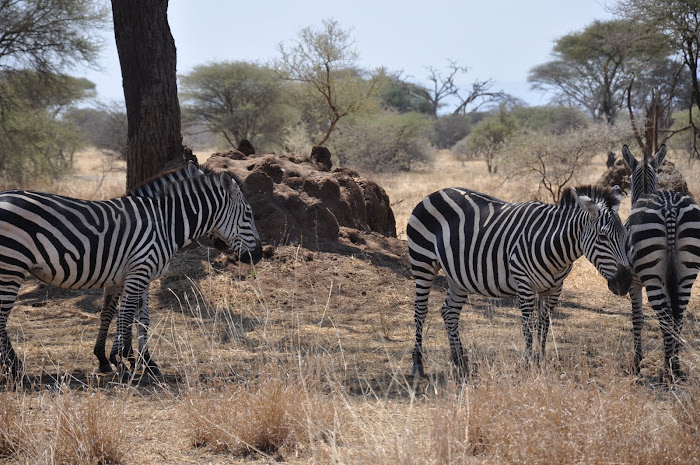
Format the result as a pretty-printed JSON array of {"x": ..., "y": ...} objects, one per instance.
[
  {"x": 679, "y": 22},
  {"x": 47, "y": 38},
  {"x": 147, "y": 57},
  {"x": 593, "y": 68},
  {"x": 651, "y": 98},
  {"x": 40, "y": 42},
  {"x": 237, "y": 100},
  {"x": 324, "y": 63}
]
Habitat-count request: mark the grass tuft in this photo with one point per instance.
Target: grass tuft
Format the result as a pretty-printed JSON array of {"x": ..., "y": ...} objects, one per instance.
[
  {"x": 89, "y": 429},
  {"x": 273, "y": 414}
]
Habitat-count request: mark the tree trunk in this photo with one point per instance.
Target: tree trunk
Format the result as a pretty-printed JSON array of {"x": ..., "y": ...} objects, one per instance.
[{"x": 148, "y": 62}]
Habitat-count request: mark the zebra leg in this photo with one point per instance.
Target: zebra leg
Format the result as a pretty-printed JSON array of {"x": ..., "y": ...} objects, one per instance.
[
  {"x": 450, "y": 312},
  {"x": 670, "y": 335},
  {"x": 121, "y": 349},
  {"x": 635, "y": 293},
  {"x": 8, "y": 295},
  {"x": 526, "y": 304},
  {"x": 546, "y": 305},
  {"x": 424, "y": 280},
  {"x": 109, "y": 308},
  {"x": 144, "y": 320}
]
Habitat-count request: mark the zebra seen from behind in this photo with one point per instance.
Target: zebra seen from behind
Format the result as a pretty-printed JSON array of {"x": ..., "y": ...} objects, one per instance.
[
  {"x": 495, "y": 248},
  {"x": 123, "y": 243},
  {"x": 664, "y": 251}
]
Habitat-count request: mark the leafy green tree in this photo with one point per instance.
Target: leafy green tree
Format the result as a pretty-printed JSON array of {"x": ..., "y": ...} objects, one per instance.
[
  {"x": 383, "y": 142},
  {"x": 48, "y": 38},
  {"x": 593, "y": 68},
  {"x": 35, "y": 141},
  {"x": 237, "y": 100},
  {"x": 40, "y": 41},
  {"x": 104, "y": 127},
  {"x": 449, "y": 129},
  {"x": 679, "y": 22},
  {"x": 324, "y": 62},
  {"x": 400, "y": 96},
  {"x": 487, "y": 136}
]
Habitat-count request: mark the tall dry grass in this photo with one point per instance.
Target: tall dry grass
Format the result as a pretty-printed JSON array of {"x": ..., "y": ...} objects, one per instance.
[
  {"x": 289, "y": 361},
  {"x": 63, "y": 427}
]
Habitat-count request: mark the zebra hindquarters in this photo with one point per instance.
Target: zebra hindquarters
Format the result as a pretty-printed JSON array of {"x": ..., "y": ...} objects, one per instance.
[{"x": 665, "y": 240}]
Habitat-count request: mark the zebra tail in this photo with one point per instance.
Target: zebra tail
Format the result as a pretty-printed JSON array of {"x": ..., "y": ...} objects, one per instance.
[{"x": 672, "y": 287}]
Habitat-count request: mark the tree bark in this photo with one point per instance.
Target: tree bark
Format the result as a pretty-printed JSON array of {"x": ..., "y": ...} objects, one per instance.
[{"x": 148, "y": 60}]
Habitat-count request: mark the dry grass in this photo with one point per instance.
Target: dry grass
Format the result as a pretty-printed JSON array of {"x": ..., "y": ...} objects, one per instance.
[
  {"x": 63, "y": 427},
  {"x": 304, "y": 358},
  {"x": 278, "y": 414}
]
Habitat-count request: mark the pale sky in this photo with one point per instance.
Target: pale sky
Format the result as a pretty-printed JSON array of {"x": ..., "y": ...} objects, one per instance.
[{"x": 496, "y": 39}]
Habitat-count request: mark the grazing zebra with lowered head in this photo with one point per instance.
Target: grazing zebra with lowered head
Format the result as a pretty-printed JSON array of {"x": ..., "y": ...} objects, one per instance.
[
  {"x": 664, "y": 251},
  {"x": 112, "y": 294},
  {"x": 122, "y": 243},
  {"x": 496, "y": 248}
]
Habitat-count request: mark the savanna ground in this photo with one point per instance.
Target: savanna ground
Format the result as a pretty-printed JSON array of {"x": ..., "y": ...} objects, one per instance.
[{"x": 305, "y": 358}]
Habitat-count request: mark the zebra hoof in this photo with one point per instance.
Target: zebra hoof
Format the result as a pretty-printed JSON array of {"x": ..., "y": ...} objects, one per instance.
[
  {"x": 153, "y": 371},
  {"x": 105, "y": 368},
  {"x": 124, "y": 374},
  {"x": 418, "y": 370}
]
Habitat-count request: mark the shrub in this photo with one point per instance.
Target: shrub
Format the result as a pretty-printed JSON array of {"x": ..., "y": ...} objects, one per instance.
[
  {"x": 448, "y": 130},
  {"x": 270, "y": 414},
  {"x": 551, "y": 161},
  {"x": 384, "y": 142}
]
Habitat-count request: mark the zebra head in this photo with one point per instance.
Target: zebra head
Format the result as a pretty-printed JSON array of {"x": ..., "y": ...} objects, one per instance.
[
  {"x": 603, "y": 239},
  {"x": 643, "y": 177},
  {"x": 235, "y": 231}
]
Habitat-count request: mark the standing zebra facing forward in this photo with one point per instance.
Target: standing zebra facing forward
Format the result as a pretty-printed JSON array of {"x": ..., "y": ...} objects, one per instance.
[
  {"x": 664, "y": 251},
  {"x": 123, "y": 243},
  {"x": 496, "y": 248}
]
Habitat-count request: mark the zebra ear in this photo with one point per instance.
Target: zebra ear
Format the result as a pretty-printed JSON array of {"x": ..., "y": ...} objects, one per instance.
[
  {"x": 192, "y": 169},
  {"x": 659, "y": 157},
  {"x": 615, "y": 198},
  {"x": 587, "y": 204},
  {"x": 629, "y": 158},
  {"x": 229, "y": 183}
]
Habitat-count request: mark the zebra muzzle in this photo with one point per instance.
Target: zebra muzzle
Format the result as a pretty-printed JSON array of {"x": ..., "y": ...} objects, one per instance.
[{"x": 621, "y": 282}]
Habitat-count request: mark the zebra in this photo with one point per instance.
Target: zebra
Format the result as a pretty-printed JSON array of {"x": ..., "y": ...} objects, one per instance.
[
  {"x": 148, "y": 188},
  {"x": 664, "y": 251},
  {"x": 120, "y": 244},
  {"x": 496, "y": 248}
]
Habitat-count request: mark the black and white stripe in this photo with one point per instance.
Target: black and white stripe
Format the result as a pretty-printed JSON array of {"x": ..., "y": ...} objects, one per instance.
[
  {"x": 664, "y": 251},
  {"x": 122, "y": 243},
  {"x": 496, "y": 248}
]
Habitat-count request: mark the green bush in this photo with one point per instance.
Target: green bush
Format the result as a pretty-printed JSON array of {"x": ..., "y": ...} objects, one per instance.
[
  {"x": 383, "y": 142},
  {"x": 449, "y": 129},
  {"x": 35, "y": 140}
]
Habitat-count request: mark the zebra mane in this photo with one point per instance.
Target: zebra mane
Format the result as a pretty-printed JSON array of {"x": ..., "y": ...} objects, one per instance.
[
  {"x": 160, "y": 182},
  {"x": 598, "y": 193}
]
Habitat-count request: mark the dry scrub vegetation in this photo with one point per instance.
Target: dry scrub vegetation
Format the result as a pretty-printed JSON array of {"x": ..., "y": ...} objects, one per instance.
[{"x": 305, "y": 358}]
